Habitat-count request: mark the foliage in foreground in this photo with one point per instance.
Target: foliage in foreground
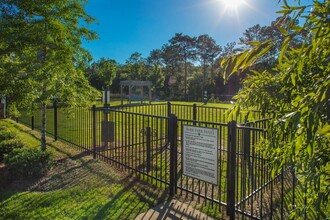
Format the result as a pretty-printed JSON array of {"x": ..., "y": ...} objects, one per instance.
[
  {"x": 20, "y": 160},
  {"x": 6, "y": 135},
  {"x": 41, "y": 56},
  {"x": 8, "y": 146},
  {"x": 297, "y": 95},
  {"x": 8, "y": 141},
  {"x": 24, "y": 162}
]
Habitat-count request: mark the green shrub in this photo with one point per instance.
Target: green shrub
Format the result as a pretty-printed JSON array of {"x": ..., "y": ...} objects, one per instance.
[
  {"x": 24, "y": 162},
  {"x": 7, "y": 135},
  {"x": 7, "y": 146}
]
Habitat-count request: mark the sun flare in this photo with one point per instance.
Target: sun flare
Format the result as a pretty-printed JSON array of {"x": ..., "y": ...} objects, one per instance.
[{"x": 232, "y": 4}]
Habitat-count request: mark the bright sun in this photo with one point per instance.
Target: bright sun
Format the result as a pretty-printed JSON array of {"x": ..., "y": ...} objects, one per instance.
[{"x": 233, "y": 4}]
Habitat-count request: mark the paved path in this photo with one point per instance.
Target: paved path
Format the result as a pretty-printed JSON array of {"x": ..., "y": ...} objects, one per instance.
[{"x": 172, "y": 210}]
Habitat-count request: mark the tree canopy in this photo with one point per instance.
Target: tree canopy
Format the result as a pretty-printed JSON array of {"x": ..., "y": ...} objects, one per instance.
[{"x": 41, "y": 52}]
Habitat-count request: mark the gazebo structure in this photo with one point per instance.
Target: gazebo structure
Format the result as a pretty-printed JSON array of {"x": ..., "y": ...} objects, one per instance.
[{"x": 131, "y": 84}]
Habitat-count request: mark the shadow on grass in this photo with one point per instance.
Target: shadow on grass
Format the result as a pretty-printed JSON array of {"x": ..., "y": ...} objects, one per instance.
[
  {"x": 134, "y": 190},
  {"x": 90, "y": 189},
  {"x": 10, "y": 185}
]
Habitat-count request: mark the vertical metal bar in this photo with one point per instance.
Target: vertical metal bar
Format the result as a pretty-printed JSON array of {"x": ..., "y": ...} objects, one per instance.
[
  {"x": 220, "y": 164},
  {"x": 125, "y": 155},
  {"x": 245, "y": 164},
  {"x": 282, "y": 193},
  {"x": 247, "y": 144},
  {"x": 293, "y": 187},
  {"x": 121, "y": 150},
  {"x": 94, "y": 131},
  {"x": 305, "y": 201},
  {"x": 137, "y": 152},
  {"x": 78, "y": 136},
  {"x": 168, "y": 109},
  {"x": 148, "y": 149},
  {"x": 163, "y": 150},
  {"x": 172, "y": 131},
  {"x": 55, "y": 119},
  {"x": 194, "y": 113},
  {"x": 231, "y": 160},
  {"x": 271, "y": 197}
]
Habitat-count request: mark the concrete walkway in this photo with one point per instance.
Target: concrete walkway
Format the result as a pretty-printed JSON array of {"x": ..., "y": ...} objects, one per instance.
[{"x": 172, "y": 210}]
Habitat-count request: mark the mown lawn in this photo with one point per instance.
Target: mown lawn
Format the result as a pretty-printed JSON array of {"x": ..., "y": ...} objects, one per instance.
[
  {"x": 75, "y": 125},
  {"x": 77, "y": 187}
]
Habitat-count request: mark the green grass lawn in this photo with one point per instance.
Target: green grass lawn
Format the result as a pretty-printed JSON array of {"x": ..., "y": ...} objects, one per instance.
[
  {"x": 75, "y": 125},
  {"x": 78, "y": 187}
]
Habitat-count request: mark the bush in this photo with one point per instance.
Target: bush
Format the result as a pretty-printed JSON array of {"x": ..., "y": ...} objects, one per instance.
[
  {"x": 7, "y": 135},
  {"x": 24, "y": 162},
  {"x": 7, "y": 146}
]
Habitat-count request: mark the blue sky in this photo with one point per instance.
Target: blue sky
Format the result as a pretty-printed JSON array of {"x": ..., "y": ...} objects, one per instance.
[{"x": 128, "y": 26}]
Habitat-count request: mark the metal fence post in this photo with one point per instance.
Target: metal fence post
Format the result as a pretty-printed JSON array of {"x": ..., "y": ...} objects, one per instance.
[
  {"x": 148, "y": 149},
  {"x": 194, "y": 113},
  {"x": 172, "y": 131},
  {"x": 55, "y": 119},
  {"x": 94, "y": 132},
  {"x": 231, "y": 168},
  {"x": 168, "y": 109},
  {"x": 247, "y": 142},
  {"x": 168, "y": 115},
  {"x": 32, "y": 122}
]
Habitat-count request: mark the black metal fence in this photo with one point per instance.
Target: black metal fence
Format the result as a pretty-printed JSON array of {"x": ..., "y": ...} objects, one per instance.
[{"x": 148, "y": 141}]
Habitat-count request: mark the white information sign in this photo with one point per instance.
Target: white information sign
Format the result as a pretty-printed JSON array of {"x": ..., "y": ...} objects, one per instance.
[{"x": 200, "y": 153}]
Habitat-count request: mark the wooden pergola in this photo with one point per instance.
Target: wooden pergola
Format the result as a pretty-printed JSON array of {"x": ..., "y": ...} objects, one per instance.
[{"x": 131, "y": 84}]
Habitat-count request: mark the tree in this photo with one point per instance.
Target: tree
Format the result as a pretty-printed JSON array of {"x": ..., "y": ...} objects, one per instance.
[
  {"x": 185, "y": 46},
  {"x": 135, "y": 67},
  {"x": 155, "y": 69},
  {"x": 41, "y": 45},
  {"x": 155, "y": 57},
  {"x": 156, "y": 76},
  {"x": 222, "y": 89},
  {"x": 297, "y": 97},
  {"x": 102, "y": 73},
  {"x": 207, "y": 51},
  {"x": 257, "y": 33},
  {"x": 170, "y": 58}
]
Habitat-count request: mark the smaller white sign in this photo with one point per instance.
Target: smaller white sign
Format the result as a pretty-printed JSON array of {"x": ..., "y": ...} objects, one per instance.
[
  {"x": 106, "y": 97},
  {"x": 200, "y": 153}
]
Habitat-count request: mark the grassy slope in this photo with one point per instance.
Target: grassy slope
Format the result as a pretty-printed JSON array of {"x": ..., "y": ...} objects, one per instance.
[{"x": 78, "y": 187}]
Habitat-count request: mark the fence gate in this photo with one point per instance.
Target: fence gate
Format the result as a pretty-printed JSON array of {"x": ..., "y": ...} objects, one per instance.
[
  {"x": 135, "y": 142},
  {"x": 248, "y": 173},
  {"x": 242, "y": 173}
]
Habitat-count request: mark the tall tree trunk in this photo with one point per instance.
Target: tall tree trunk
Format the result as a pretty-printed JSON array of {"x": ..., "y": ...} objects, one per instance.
[
  {"x": 185, "y": 79},
  {"x": 204, "y": 76},
  {"x": 43, "y": 126}
]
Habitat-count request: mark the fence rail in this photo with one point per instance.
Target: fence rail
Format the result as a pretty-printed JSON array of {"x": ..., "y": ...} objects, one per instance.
[{"x": 148, "y": 141}]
